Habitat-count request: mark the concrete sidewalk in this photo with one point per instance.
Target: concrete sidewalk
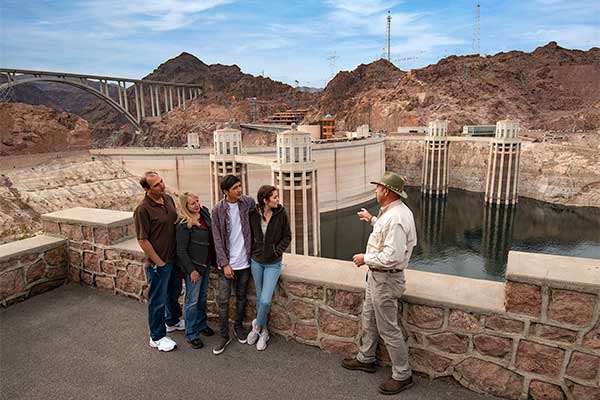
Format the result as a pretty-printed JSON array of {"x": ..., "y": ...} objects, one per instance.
[{"x": 79, "y": 343}]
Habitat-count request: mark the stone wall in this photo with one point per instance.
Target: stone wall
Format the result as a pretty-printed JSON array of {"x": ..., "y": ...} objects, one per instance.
[
  {"x": 31, "y": 266},
  {"x": 553, "y": 173},
  {"x": 537, "y": 336},
  {"x": 92, "y": 260}
]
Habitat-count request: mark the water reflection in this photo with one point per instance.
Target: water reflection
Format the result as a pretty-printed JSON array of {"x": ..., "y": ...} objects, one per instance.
[{"x": 460, "y": 235}]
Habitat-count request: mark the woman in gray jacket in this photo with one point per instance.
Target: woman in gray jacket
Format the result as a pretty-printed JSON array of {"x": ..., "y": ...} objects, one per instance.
[{"x": 195, "y": 254}]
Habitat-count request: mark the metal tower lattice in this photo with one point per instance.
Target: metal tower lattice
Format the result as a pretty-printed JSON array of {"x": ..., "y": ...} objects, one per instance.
[
  {"x": 475, "y": 44},
  {"x": 389, "y": 36}
]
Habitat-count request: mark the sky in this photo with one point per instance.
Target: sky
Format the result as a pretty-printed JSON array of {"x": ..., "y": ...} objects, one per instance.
[{"x": 298, "y": 42}]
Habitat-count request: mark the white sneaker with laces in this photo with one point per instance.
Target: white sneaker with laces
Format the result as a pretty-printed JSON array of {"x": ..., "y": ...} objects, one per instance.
[
  {"x": 163, "y": 344},
  {"x": 263, "y": 338},
  {"x": 253, "y": 335},
  {"x": 179, "y": 326}
]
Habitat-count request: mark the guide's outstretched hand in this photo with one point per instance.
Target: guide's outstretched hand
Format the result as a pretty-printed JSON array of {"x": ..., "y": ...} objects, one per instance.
[{"x": 364, "y": 215}]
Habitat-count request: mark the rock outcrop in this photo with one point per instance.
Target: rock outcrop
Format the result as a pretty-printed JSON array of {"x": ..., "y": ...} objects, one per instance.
[{"x": 27, "y": 129}]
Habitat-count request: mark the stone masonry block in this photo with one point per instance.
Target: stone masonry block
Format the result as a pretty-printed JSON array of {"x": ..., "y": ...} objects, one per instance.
[
  {"x": 301, "y": 309},
  {"x": 571, "y": 307},
  {"x": 583, "y": 366},
  {"x": 449, "y": 342},
  {"x": 344, "y": 301},
  {"x": 71, "y": 231},
  {"x": 553, "y": 333},
  {"x": 336, "y": 325},
  {"x": 539, "y": 358},
  {"x": 35, "y": 271},
  {"x": 306, "y": 332},
  {"x": 487, "y": 377},
  {"x": 427, "y": 361},
  {"x": 91, "y": 262},
  {"x": 545, "y": 391},
  {"x": 56, "y": 256},
  {"x": 501, "y": 324},
  {"x": 305, "y": 290},
  {"x": 279, "y": 319},
  {"x": 493, "y": 346},
  {"x": 522, "y": 298},
  {"x": 425, "y": 317},
  {"x": 592, "y": 339},
  {"x": 11, "y": 283},
  {"x": 463, "y": 321}
]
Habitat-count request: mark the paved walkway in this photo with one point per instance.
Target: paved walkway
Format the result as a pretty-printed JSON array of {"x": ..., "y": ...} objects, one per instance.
[{"x": 78, "y": 343}]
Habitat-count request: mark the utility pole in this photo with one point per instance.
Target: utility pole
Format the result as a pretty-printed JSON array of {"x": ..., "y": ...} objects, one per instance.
[{"x": 389, "y": 31}]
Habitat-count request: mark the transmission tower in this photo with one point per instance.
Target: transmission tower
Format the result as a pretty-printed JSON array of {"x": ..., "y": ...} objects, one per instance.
[
  {"x": 389, "y": 32},
  {"x": 332, "y": 58},
  {"x": 475, "y": 44}
]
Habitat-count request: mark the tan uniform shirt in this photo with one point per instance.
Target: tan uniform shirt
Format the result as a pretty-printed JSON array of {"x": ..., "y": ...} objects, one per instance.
[{"x": 393, "y": 238}]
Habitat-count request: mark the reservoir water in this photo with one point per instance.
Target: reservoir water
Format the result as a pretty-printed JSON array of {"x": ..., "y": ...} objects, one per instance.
[{"x": 461, "y": 236}]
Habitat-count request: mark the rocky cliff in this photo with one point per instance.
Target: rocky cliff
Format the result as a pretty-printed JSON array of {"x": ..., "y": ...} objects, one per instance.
[{"x": 27, "y": 129}]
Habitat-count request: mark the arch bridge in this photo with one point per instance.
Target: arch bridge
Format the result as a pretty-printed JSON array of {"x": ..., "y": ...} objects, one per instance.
[{"x": 129, "y": 97}]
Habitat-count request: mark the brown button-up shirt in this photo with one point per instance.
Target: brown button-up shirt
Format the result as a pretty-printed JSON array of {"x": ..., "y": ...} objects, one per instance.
[{"x": 156, "y": 223}]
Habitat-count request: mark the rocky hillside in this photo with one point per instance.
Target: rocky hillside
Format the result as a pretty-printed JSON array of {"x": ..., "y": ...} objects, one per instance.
[
  {"x": 551, "y": 88},
  {"x": 27, "y": 129}
]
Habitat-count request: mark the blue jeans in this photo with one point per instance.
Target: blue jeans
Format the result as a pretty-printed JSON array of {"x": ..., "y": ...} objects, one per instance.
[
  {"x": 174, "y": 289},
  {"x": 161, "y": 292},
  {"x": 195, "y": 305},
  {"x": 265, "y": 280}
]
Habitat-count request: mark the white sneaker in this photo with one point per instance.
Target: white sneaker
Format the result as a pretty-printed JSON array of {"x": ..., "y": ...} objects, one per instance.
[
  {"x": 253, "y": 335},
  {"x": 262, "y": 341},
  {"x": 163, "y": 344},
  {"x": 179, "y": 326}
]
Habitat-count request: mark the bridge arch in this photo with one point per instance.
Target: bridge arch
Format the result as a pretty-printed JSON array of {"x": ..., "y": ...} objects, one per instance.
[{"x": 115, "y": 105}]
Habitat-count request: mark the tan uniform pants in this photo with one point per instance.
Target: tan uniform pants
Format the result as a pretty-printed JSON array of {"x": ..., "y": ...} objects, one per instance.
[{"x": 380, "y": 318}]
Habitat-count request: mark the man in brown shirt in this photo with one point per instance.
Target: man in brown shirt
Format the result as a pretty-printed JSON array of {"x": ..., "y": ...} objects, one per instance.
[{"x": 155, "y": 219}]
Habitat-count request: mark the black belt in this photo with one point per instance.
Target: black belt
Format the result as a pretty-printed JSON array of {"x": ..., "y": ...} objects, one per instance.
[{"x": 391, "y": 271}]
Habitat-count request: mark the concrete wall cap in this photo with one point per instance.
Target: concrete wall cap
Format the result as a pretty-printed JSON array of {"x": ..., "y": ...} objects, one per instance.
[
  {"x": 90, "y": 217},
  {"x": 35, "y": 244},
  {"x": 421, "y": 287},
  {"x": 553, "y": 270}
]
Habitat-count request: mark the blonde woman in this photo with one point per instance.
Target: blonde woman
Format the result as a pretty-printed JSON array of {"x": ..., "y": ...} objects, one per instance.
[{"x": 195, "y": 255}]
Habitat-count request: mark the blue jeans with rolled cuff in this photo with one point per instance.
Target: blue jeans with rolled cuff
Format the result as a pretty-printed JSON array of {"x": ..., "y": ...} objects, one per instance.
[{"x": 265, "y": 280}]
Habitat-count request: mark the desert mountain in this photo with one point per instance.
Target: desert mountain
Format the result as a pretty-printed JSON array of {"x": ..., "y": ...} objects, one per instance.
[{"x": 550, "y": 88}]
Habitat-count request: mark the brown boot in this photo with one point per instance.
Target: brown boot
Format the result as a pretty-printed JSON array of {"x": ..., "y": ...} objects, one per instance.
[
  {"x": 392, "y": 386},
  {"x": 355, "y": 365}
]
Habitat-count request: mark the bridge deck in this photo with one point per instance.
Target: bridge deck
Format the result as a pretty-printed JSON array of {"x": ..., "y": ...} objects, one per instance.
[{"x": 79, "y": 343}]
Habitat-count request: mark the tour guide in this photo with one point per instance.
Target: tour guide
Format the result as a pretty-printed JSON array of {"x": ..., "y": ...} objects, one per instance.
[{"x": 388, "y": 251}]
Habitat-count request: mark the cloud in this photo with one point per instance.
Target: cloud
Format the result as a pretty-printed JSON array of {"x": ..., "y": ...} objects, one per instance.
[
  {"x": 571, "y": 36},
  {"x": 364, "y": 7}
]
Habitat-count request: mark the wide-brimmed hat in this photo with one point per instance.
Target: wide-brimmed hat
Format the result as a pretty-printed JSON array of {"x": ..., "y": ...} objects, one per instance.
[{"x": 394, "y": 182}]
